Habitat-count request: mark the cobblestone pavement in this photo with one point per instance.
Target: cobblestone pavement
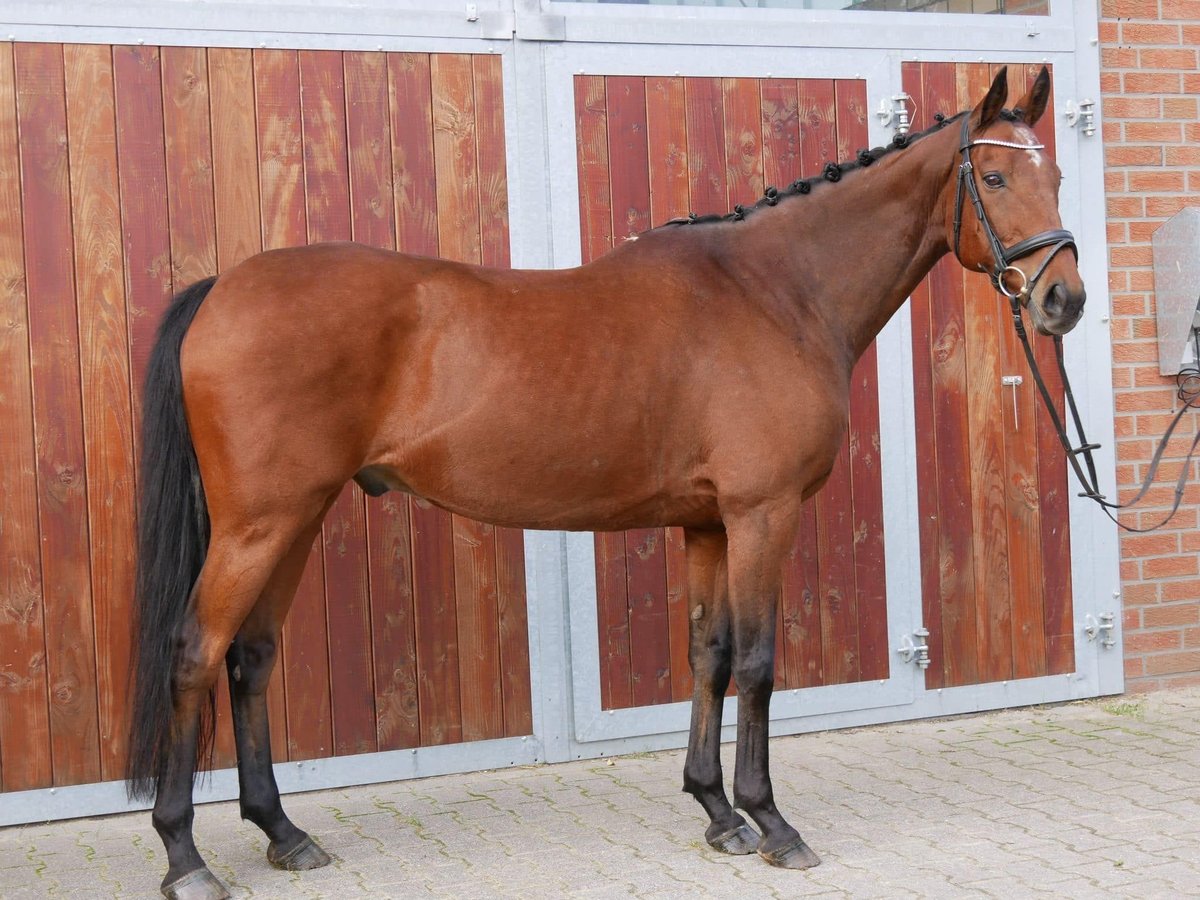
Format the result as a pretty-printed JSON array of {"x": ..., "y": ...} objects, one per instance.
[{"x": 1091, "y": 799}]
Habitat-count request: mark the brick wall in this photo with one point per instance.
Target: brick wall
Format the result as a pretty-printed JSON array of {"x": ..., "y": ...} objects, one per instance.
[{"x": 1150, "y": 80}]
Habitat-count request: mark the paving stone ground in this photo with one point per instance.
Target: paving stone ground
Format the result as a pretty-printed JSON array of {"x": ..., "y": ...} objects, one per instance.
[{"x": 1090, "y": 799}]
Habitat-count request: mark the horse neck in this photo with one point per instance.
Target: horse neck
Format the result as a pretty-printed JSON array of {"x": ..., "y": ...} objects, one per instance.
[{"x": 849, "y": 254}]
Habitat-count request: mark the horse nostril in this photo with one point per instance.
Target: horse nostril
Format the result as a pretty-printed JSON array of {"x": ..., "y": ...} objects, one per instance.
[{"x": 1056, "y": 300}]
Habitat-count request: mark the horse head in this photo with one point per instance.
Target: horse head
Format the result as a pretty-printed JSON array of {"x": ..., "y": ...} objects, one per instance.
[{"x": 1014, "y": 231}]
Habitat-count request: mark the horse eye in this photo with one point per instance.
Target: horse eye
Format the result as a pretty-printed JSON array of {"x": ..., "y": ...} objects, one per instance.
[{"x": 993, "y": 179}]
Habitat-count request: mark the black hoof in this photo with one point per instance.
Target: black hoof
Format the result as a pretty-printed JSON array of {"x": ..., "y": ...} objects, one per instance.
[
  {"x": 739, "y": 840},
  {"x": 795, "y": 855},
  {"x": 199, "y": 884},
  {"x": 305, "y": 855}
]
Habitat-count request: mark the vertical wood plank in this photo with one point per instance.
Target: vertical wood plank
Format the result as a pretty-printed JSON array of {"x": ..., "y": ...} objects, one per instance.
[
  {"x": 369, "y": 144},
  {"x": 628, "y": 156},
  {"x": 612, "y": 590},
  {"x": 913, "y": 78},
  {"x": 514, "y": 632},
  {"x": 347, "y": 611},
  {"x": 803, "y": 653},
  {"x": 984, "y": 320},
  {"x": 104, "y": 354},
  {"x": 707, "y": 187},
  {"x": 666, "y": 137},
  {"x": 839, "y": 605},
  {"x": 818, "y": 124},
  {"x": 780, "y": 131},
  {"x": 478, "y": 629},
  {"x": 413, "y": 173},
  {"x": 235, "y": 156},
  {"x": 284, "y": 224},
  {"x": 595, "y": 188},
  {"x": 678, "y": 614},
  {"x": 436, "y": 627},
  {"x": 454, "y": 157},
  {"x": 24, "y": 714},
  {"x": 955, "y": 552},
  {"x": 142, "y": 170},
  {"x": 1024, "y": 493},
  {"x": 649, "y": 641},
  {"x": 492, "y": 160},
  {"x": 1053, "y": 483},
  {"x": 57, "y": 411},
  {"x": 743, "y": 140}
]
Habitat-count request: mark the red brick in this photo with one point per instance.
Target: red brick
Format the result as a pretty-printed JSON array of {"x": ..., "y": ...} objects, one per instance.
[
  {"x": 1179, "y": 9},
  {"x": 1135, "y": 351},
  {"x": 1126, "y": 155},
  {"x": 1140, "y": 255},
  {"x": 1183, "y": 156},
  {"x": 1135, "y": 667},
  {"x": 1142, "y": 230},
  {"x": 1133, "y": 108},
  {"x": 1114, "y": 182},
  {"x": 1168, "y": 206},
  {"x": 1175, "y": 614},
  {"x": 1191, "y": 637},
  {"x": 1191, "y": 34},
  {"x": 1123, "y": 426},
  {"x": 1167, "y": 59},
  {"x": 1128, "y": 304},
  {"x": 1147, "y": 376},
  {"x": 1167, "y": 132},
  {"x": 1141, "y": 281},
  {"x": 1134, "y": 451},
  {"x": 1169, "y": 566},
  {"x": 1190, "y": 541},
  {"x": 1118, "y": 58},
  {"x": 1131, "y": 570},
  {"x": 1159, "y": 544},
  {"x": 1146, "y": 641},
  {"x": 1145, "y": 328},
  {"x": 1121, "y": 330},
  {"x": 1180, "y": 590},
  {"x": 1167, "y": 663},
  {"x": 1142, "y": 33},
  {"x": 1142, "y": 593},
  {"x": 1191, "y": 82},
  {"x": 1116, "y": 232},
  {"x": 1179, "y": 107},
  {"x": 1126, "y": 207},
  {"x": 1110, "y": 82},
  {"x": 1129, "y": 9},
  {"x": 1131, "y": 618},
  {"x": 1139, "y": 401},
  {"x": 1166, "y": 180},
  {"x": 1191, "y": 130}
]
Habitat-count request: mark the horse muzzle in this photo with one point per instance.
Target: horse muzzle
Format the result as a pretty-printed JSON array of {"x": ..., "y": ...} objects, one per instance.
[{"x": 1059, "y": 309}]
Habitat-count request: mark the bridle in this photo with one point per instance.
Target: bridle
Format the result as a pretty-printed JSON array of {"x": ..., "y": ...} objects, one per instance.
[{"x": 1004, "y": 259}]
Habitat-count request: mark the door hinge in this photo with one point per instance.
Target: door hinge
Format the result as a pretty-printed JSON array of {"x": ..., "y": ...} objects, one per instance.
[
  {"x": 1104, "y": 629},
  {"x": 895, "y": 109},
  {"x": 914, "y": 649},
  {"x": 1082, "y": 114}
]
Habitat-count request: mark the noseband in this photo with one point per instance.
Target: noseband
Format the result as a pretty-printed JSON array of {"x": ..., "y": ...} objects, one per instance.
[{"x": 1004, "y": 257}]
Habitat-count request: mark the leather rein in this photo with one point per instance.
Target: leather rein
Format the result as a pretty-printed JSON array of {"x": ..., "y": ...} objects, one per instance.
[{"x": 1005, "y": 257}]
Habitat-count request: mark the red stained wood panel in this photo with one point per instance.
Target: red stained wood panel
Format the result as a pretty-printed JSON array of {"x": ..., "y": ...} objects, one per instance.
[
  {"x": 802, "y": 642},
  {"x": 492, "y": 161},
  {"x": 628, "y": 156},
  {"x": 612, "y": 589},
  {"x": 24, "y": 714},
  {"x": 436, "y": 626},
  {"x": 413, "y": 176},
  {"x": 454, "y": 157},
  {"x": 57, "y": 412},
  {"x": 477, "y": 600},
  {"x": 743, "y": 140},
  {"x": 703, "y": 111},
  {"x": 666, "y": 138},
  {"x": 595, "y": 183},
  {"x": 817, "y": 114},
  {"x": 513, "y": 631},
  {"x": 649, "y": 641},
  {"x": 284, "y": 224},
  {"x": 104, "y": 371}
]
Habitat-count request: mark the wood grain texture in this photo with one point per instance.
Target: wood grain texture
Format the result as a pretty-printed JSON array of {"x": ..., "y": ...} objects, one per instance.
[
  {"x": 743, "y": 140},
  {"x": 666, "y": 139},
  {"x": 58, "y": 414},
  {"x": 804, "y": 657},
  {"x": 818, "y": 124},
  {"x": 369, "y": 143},
  {"x": 612, "y": 619},
  {"x": 477, "y": 600},
  {"x": 305, "y": 661},
  {"x": 235, "y": 160},
  {"x": 436, "y": 626},
  {"x": 780, "y": 109},
  {"x": 492, "y": 160},
  {"x": 414, "y": 178},
  {"x": 707, "y": 172},
  {"x": 595, "y": 182},
  {"x": 514, "y": 632},
  {"x": 1024, "y": 493},
  {"x": 454, "y": 157},
  {"x": 104, "y": 371},
  {"x": 24, "y": 713},
  {"x": 649, "y": 639},
  {"x": 628, "y": 156}
]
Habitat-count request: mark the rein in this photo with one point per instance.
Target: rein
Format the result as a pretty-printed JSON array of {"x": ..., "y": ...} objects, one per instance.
[{"x": 1004, "y": 257}]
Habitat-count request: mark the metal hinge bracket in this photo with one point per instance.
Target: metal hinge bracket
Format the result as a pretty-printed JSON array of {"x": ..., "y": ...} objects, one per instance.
[
  {"x": 896, "y": 109},
  {"x": 1103, "y": 629},
  {"x": 1083, "y": 114},
  {"x": 914, "y": 648}
]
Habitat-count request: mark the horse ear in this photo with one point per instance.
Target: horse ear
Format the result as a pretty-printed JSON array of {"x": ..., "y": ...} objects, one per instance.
[
  {"x": 989, "y": 107},
  {"x": 1034, "y": 103}
]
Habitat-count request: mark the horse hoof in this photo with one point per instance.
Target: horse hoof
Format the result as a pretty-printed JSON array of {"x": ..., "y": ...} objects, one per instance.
[
  {"x": 796, "y": 855},
  {"x": 199, "y": 884},
  {"x": 739, "y": 840},
  {"x": 305, "y": 855}
]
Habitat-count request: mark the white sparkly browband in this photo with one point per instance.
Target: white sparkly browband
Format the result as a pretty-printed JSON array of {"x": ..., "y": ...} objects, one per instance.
[{"x": 1012, "y": 144}]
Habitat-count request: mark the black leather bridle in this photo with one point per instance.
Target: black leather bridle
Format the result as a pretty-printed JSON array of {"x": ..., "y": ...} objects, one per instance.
[{"x": 1004, "y": 258}]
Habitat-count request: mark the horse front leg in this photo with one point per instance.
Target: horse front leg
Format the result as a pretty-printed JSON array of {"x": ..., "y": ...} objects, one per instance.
[
  {"x": 758, "y": 542},
  {"x": 709, "y": 653}
]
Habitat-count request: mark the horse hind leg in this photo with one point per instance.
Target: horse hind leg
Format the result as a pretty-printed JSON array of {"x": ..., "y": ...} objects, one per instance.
[
  {"x": 250, "y": 661},
  {"x": 235, "y": 573},
  {"x": 709, "y": 654}
]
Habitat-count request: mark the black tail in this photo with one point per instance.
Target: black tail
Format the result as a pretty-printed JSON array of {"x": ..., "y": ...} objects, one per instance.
[{"x": 172, "y": 542}]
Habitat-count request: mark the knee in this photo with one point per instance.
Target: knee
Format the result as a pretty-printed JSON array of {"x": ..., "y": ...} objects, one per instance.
[
  {"x": 195, "y": 666},
  {"x": 755, "y": 674}
]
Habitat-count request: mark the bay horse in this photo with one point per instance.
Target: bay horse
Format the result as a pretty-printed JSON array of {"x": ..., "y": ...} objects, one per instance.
[{"x": 504, "y": 396}]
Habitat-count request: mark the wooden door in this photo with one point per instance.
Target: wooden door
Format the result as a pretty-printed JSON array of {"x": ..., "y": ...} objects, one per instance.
[
  {"x": 995, "y": 543},
  {"x": 650, "y": 149},
  {"x": 128, "y": 173}
]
